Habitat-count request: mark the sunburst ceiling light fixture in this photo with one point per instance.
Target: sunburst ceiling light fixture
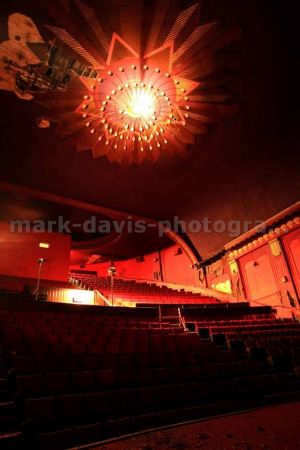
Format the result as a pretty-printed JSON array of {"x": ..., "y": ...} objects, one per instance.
[{"x": 145, "y": 99}]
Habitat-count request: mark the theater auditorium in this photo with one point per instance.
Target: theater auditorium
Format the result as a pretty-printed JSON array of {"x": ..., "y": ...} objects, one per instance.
[{"x": 149, "y": 225}]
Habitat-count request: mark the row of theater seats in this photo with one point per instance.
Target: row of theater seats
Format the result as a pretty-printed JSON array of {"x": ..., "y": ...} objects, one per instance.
[
  {"x": 138, "y": 292},
  {"x": 77, "y": 377},
  {"x": 264, "y": 338}
]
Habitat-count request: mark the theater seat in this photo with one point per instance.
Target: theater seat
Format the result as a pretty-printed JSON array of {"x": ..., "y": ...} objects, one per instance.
[
  {"x": 58, "y": 440},
  {"x": 70, "y": 406},
  {"x": 30, "y": 384},
  {"x": 40, "y": 409},
  {"x": 58, "y": 382},
  {"x": 82, "y": 380}
]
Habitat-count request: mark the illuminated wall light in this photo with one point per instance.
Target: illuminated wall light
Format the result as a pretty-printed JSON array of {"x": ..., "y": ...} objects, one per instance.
[
  {"x": 100, "y": 80},
  {"x": 107, "y": 142},
  {"x": 110, "y": 73},
  {"x": 120, "y": 88},
  {"x": 88, "y": 124},
  {"x": 121, "y": 69},
  {"x": 187, "y": 107},
  {"x": 86, "y": 97},
  {"x": 92, "y": 130},
  {"x": 133, "y": 66},
  {"x": 44, "y": 245},
  {"x": 108, "y": 97},
  {"x": 84, "y": 115},
  {"x": 113, "y": 91},
  {"x": 100, "y": 138},
  {"x": 145, "y": 67},
  {"x": 167, "y": 75},
  {"x": 157, "y": 70},
  {"x": 85, "y": 106}
]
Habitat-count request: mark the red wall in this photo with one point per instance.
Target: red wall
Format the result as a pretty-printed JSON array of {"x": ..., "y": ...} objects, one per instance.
[
  {"x": 19, "y": 252},
  {"x": 266, "y": 277},
  {"x": 175, "y": 269},
  {"x": 291, "y": 245}
]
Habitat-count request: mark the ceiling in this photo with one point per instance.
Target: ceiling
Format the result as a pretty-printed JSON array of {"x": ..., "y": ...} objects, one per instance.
[
  {"x": 245, "y": 169},
  {"x": 97, "y": 233}
]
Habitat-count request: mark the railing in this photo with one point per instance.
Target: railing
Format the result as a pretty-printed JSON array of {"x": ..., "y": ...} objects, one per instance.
[
  {"x": 105, "y": 301},
  {"x": 181, "y": 320}
]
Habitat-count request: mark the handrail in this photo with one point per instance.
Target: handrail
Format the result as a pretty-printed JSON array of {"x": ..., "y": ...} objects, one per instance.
[
  {"x": 181, "y": 320},
  {"x": 103, "y": 298}
]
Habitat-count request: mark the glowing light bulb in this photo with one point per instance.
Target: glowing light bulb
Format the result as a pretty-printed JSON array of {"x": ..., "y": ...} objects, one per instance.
[{"x": 141, "y": 104}]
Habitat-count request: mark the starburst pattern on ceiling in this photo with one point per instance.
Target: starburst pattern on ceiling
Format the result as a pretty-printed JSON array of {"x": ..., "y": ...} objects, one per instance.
[{"x": 155, "y": 90}]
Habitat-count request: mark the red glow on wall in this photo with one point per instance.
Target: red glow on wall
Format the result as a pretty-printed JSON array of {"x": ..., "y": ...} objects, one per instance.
[
  {"x": 166, "y": 265},
  {"x": 19, "y": 252}
]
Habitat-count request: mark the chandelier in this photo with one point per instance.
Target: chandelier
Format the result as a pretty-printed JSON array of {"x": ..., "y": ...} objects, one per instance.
[{"x": 132, "y": 95}]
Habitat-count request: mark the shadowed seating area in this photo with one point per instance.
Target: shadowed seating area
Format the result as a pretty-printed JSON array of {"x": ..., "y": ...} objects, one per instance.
[{"x": 73, "y": 375}]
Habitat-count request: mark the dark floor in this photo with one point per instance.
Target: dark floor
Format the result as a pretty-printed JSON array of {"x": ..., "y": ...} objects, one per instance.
[{"x": 270, "y": 428}]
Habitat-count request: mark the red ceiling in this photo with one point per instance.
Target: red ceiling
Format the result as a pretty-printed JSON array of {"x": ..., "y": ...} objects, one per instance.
[{"x": 247, "y": 168}]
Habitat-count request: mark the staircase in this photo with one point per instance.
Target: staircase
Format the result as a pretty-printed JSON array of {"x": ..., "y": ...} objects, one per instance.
[{"x": 10, "y": 435}]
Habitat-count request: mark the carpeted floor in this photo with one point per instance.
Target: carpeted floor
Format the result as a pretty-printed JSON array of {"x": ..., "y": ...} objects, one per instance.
[{"x": 271, "y": 428}]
